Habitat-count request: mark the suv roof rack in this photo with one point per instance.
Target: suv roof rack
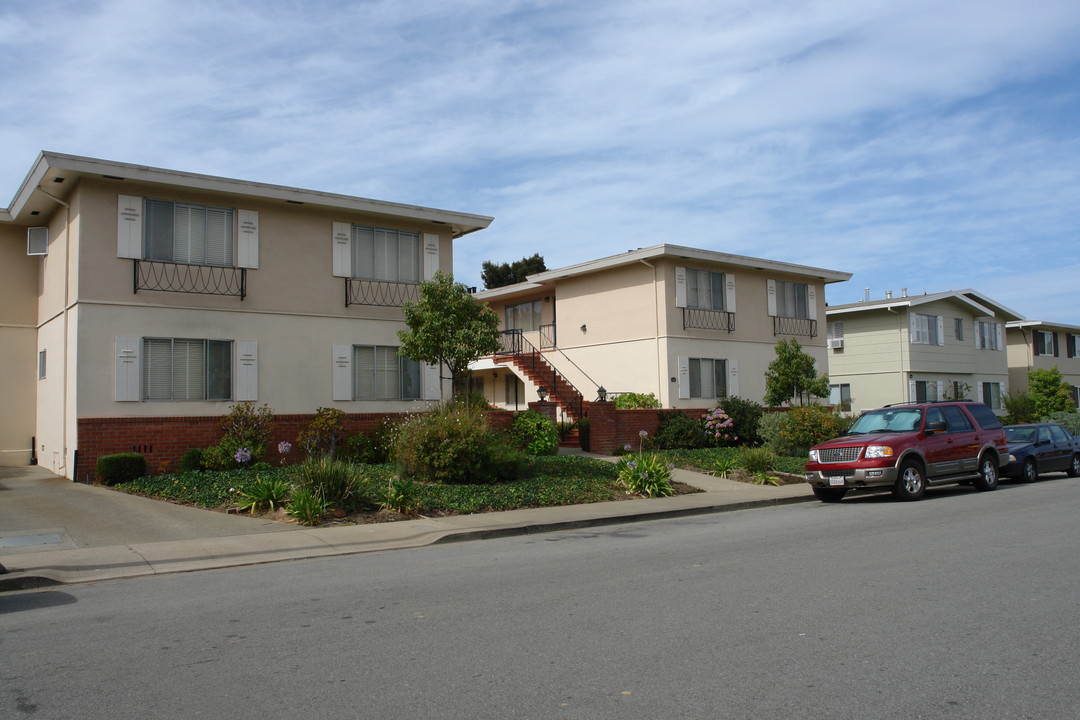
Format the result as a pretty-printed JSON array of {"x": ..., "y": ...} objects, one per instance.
[{"x": 927, "y": 402}]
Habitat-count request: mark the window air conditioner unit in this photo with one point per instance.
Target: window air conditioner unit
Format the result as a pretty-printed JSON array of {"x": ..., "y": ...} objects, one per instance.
[
  {"x": 836, "y": 343},
  {"x": 37, "y": 241}
]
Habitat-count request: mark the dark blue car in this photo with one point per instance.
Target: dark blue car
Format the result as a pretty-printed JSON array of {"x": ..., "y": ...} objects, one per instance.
[{"x": 1039, "y": 448}]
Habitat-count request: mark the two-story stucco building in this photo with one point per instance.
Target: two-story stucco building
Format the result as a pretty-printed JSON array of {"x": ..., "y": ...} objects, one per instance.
[
  {"x": 137, "y": 292},
  {"x": 685, "y": 324},
  {"x": 1038, "y": 345},
  {"x": 946, "y": 345}
]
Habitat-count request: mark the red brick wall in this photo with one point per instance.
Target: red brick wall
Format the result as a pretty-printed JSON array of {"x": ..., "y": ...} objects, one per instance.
[{"x": 162, "y": 440}]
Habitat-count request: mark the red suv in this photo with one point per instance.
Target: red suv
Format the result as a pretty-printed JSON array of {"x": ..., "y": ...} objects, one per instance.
[{"x": 907, "y": 447}]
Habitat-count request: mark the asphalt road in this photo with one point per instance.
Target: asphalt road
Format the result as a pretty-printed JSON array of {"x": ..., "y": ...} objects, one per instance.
[{"x": 964, "y": 605}]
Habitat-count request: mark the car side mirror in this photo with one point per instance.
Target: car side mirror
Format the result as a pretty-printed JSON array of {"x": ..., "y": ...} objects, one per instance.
[{"x": 935, "y": 427}]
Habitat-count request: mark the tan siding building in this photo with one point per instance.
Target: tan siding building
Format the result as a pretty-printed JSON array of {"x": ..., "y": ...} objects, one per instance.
[{"x": 1037, "y": 345}]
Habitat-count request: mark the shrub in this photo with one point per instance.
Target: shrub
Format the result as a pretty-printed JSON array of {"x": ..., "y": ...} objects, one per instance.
[
  {"x": 535, "y": 433},
  {"x": 324, "y": 432},
  {"x": 1019, "y": 409},
  {"x": 584, "y": 439},
  {"x": 636, "y": 401},
  {"x": 745, "y": 416},
  {"x": 645, "y": 474},
  {"x": 792, "y": 433},
  {"x": 373, "y": 447},
  {"x": 719, "y": 427},
  {"x": 266, "y": 492},
  {"x": 192, "y": 460},
  {"x": 1068, "y": 420},
  {"x": 306, "y": 507},
  {"x": 118, "y": 468},
  {"x": 334, "y": 482},
  {"x": 454, "y": 444},
  {"x": 247, "y": 426},
  {"x": 401, "y": 496},
  {"x": 755, "y": 459},
  {"x": 679, "y": 431}
]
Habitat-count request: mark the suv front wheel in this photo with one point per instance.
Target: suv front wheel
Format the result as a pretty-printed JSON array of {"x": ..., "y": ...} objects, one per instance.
[
  {"x": 911, "y": 484},
  {"x": 988, "y": 473}
]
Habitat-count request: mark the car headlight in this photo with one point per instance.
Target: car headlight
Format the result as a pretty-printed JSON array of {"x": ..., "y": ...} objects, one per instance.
[
  {"x": 1012, "y": 458},
  {"x": 814, "y": 456},
  {"x": 878, "y": 451}
]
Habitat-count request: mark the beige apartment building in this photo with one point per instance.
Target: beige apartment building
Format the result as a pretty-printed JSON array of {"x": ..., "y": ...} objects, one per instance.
[
  {"x": 1038, "y": 345},
  {"x": 938, "y": 346},
  {"x": 689, "y": 325},
  {"x": 137, "y": 292}
]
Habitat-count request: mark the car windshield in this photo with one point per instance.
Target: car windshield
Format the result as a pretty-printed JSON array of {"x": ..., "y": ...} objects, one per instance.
[
  {"x": 887, "y": 420},
  {"x": 1020, "y": 434}
]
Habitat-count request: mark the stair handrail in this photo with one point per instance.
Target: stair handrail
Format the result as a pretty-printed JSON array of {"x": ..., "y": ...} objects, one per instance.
[{"x": 522, "y": 348}]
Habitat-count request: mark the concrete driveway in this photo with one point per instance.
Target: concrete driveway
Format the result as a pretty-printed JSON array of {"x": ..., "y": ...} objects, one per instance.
[{"x": 40, "y": 511}]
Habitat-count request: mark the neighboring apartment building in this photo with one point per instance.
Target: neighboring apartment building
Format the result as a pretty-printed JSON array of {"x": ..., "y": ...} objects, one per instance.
[
  {"x": 947, "y": 345},
  {"x": 689, "y": 325},
  {"x": 1037, "y": 345},
  {"x": 136, "y": 292}
]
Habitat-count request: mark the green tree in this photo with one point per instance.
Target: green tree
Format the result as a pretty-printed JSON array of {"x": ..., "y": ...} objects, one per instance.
[
  {"x": 502, "y": 274},
  {"x": 793, "y": 374},
  {"x": 447, "y": 326},
  {"x": 1049, "y": 392}
]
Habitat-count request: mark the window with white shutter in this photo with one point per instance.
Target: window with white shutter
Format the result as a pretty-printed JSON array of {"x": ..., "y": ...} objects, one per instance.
[{"x": 186, "y": 369}]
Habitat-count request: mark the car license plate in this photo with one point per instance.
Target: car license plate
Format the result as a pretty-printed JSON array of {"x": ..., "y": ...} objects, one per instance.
[{"x": 836, "y": 481}]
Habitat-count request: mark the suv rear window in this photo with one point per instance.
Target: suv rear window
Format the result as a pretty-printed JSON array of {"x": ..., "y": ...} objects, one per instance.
[{"x": 984, "y": 416}]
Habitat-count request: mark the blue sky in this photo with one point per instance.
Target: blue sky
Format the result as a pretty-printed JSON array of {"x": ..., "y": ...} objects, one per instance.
[{"x": 914, "y": 143}]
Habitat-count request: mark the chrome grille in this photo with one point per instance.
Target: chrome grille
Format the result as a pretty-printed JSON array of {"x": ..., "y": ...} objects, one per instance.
[{"x": 839, "y": 455}]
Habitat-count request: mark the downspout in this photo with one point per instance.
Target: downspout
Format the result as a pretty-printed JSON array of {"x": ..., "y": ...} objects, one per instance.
[
  {"x": 660, "y": 385},
  {"x": 64, "y": 346},
  {"x": 904, "y": 385}
]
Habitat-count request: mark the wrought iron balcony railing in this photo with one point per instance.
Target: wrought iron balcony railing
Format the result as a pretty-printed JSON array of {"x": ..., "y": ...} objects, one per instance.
[
  {"x": 794, "y": 326},
  {"x": 197, "y": 279},
  {"x": 379, "y": 292},
  {"x": 708, "y": 319},
  {"x": 547, "y": 336}
]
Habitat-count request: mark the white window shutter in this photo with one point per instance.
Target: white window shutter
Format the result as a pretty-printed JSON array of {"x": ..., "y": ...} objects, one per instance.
[
  {"x": 684, "y": 378},
  {"x": 913, "y": 328},
  {"x": 940, "y": 330},
  {"x": 343, "y": 389},
  {"x": 912, "y": 392},
  {"x": 432, "y": 381},
  {"x": 431, "y": 255},
  {"x": 771, "y": 287},
  {"x": 729, "y": 292},
  {"x": 733, "y": 378},
  {"x": 1001, "y": 395},
  {"x": 680, "y": 287},
  {"x": 979, "y": 388},
  {"x": 128, "y": 368},
  {"x": 247, "y": 371},
  {"x": 997, "y": 330},
  {"x": 342, "y": 244},
  {"x": 247, "y": 238},
  {"x": 129, "y": 226},
  {"x": 811, "y": 301}
]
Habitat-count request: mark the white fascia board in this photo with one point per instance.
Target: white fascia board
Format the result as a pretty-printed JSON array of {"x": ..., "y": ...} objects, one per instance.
[
  {"x": 960, "y": 296},
  {"x": 1042, "y": 324},
  {"x": 678, "y": 252},
  {"x": 1000, "y": 310},
  {"x": 461, "y": 223},
  {"x": 506, "y": 291}
]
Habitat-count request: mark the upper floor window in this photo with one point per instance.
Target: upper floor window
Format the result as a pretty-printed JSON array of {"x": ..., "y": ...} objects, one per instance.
[
  {"x": 987, "y": 335},
  {"x": 523, "y": 316},
  {"x": 187, "y": 233},
  {"x": 1072, "y": 345},
  {"x": 186, "y": 369},
  {"x": 926, "y": 330},
  {"x": 704, "y": 290},
  {"x": 379, "y": 373},
  {"x": 382, "y": 254},
  {"x": 959, "y": 323},
  {"x": 1045, "y": 343},
  {"x": 792, "y": 299}
]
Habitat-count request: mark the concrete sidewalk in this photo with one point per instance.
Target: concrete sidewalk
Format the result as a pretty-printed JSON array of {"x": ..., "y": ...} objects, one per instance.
[{"x": 53, "y": 531}]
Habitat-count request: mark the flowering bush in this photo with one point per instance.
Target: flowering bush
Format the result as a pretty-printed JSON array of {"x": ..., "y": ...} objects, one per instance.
[
  {"x": 719, "y": 426},
  {"x": 324, "y": 432},
  {"x": 535, "y": 433},
  {"x": 242, "y": 456},
  {"x": 645, "y": 474}
]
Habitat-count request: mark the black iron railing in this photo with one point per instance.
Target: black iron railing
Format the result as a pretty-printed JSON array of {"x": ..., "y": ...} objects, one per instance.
[
  {"x": 794, "y": 326},
  {"x": 708, "y": 319},
  {"x": 547, "y": 336},
  {"x": 379, "y": 292},
  {"x": 197, "y": 279},
  {"x": 542, "y": 373}
]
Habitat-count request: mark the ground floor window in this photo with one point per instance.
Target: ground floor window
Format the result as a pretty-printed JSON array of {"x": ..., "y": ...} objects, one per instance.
[
  {"x": 1076, "y": 395},
  {"x": 186, "y": 369},
  {"x": 991, "y": 395},
  {"x": 840, "y": 396},
  {"x": 708, "y": 378},
  {"x": 379, "y": 373},
  {"x": 926, "y": 391},
  {"x": 515, "y": 390}
]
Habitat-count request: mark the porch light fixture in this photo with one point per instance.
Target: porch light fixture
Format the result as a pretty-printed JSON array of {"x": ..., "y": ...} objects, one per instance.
[
  {"x": 584, "y": 329},
  {"x": 542, "y": 392},
  {"x": 601, "y": 394}
]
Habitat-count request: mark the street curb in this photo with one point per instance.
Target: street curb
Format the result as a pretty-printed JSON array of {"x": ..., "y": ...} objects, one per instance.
[{"x": 14, "y": 581}]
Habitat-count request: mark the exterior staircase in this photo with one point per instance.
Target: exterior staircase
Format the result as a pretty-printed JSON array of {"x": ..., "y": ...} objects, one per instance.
[{"x": 523, "y": 355}]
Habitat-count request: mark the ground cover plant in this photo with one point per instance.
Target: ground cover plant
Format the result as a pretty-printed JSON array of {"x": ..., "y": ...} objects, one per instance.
[{"x": 726, "y": 462}]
